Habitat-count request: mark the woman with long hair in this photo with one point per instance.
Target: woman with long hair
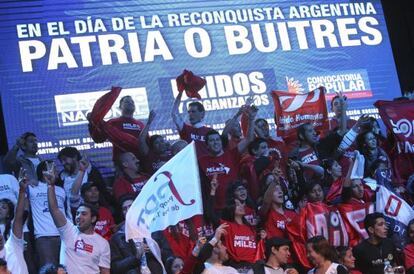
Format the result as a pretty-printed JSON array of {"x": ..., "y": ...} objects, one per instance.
[
  {"x": 347, "y": 259},
  {"x": 6, "y": 217},
  {"x": 323, "y": 256}
]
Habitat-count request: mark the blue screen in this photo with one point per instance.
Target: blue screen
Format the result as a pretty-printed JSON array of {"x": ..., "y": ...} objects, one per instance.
[{"x": 58, "y": 57}]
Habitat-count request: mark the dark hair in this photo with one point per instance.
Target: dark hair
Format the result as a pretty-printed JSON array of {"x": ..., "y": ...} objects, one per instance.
[
  {"x": 258, "y": 120},
  {"x": 228, "y": 213},
  {"x": 94, "y": 210},
  {"x": 301, "y": 131},
  {"x": 371, "y": 219},
  {"x": 360, "y": 141},
  {"x": 3, "y": 263},
  {"x": 341, "y": 252},
  {"x": 333, "y": 99},
  {"x": 210, "y": 133},
  {"x": 275, "y": 242},
  {"x": 323, "y": 248},
  {"x": 310, "y": 185},
  {"x": 230, "y": 194},
  {"x": 70, "y": 152},
  {"x": 126, "y": 197},
  {"x": 42, "y": 167},
  {"x": 27, "y": 135},
  {"x": 152, "y": 140},
  {"x": 254, "y": 145},
  {"x": 51, "y": 268},
  {"x": 169, "y": 263},
  {"x": 198, "y": 105},
  {"x": 327, "y": 165},
  {"x": 9, "y": 219},
  {"x": 123, "y": 98}
]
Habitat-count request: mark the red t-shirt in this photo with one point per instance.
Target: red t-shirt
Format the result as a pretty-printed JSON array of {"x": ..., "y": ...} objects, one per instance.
[
  {"x": 128, "y": 126},
  {"x": 275, "y": 224},
  {"x": 308, "y": 156},
  {"x": 124, "y": 186},
  {"x": 409, "y": 256},
  {"x": 251, "y": 217},
  {"x": 189, "y": 133},
  {"x": 226, "y": 166},
  {"x": 240, "y": 242},
  {"x": 105, "y": 222},
  {"x": 153, "y": 162},
  {"x": 178, "y": 236}
]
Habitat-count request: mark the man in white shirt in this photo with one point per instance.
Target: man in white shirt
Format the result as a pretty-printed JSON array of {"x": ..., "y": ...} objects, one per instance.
[
  {"x": 47, "y": 240},
  {"x": 83, "y": 250}
]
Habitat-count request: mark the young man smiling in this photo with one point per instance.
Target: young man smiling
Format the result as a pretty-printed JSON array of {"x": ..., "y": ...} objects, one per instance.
[{"x": 84, "y": 251}]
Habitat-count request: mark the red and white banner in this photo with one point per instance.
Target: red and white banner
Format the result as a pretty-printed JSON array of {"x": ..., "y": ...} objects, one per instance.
[
  {"x": 398, "y": 117},
  {"x": 295, "y": 109},
  {"x": 316, "y": 219},
  {"x": 353, "y": 214}
]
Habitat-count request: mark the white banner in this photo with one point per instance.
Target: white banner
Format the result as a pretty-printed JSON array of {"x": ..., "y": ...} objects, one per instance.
[
  {"x": 393, "y": 206},
  {"x": 172, "y": 194}
]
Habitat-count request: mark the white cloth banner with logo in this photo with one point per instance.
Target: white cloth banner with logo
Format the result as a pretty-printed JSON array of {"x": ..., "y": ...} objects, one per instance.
[
  {"x": 172, "y": 194},
  {"x": 397, "y": 212}
]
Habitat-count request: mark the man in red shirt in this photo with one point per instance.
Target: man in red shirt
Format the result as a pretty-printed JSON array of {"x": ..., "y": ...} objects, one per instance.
[
  {"x": 222, "y": 162},
  {"x": 195, "y": 130},
  {"x": 132, "y": 180},
  {"x": 123, "y": 131}
]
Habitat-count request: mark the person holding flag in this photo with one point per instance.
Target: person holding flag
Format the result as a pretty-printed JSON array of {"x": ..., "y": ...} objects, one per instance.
[{"x": 162, "y": 203}]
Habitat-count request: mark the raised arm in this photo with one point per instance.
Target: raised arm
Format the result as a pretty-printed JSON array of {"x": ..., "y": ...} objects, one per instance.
[
  {"x": 142, "y": 142},
  {"x": 177, "y": 119},
  {"x": 10, "y": 159},
  {"x": 252, "y": 112},
  {"x": 267, "y": 200},
  {"x": 235, "y": 119},
  {"x": 18, "y": 217},
  {"x": 58, "y": 217},
  {"x": 83, "y": 166}
]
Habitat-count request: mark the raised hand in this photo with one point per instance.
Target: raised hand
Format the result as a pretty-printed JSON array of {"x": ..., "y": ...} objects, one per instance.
[
  {"x": 220, "y": 231},
  {"x": 50, "y": 173},
  {"x": 151, "y": 116},
  {"x": 23, "y": 179},
  {"x": 213, "y": 185},
  {"x": 84, "y": 163}
]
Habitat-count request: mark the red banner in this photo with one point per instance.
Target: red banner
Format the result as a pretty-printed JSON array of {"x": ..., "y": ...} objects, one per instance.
[
  {"x": 353, "y": 214},
  {"x": 398, "y": 117},
  {"x": 295, "y": 109},
  {"x": 316, "y": 219}
]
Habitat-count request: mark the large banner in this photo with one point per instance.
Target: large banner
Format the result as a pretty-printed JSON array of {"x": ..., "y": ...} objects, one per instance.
[
  {"x": 398, "y": 117},
  {"x": 58, "y": 57}
]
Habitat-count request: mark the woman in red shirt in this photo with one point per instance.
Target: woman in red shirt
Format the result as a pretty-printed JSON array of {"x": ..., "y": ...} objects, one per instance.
[
  {"x": 273, "y": 213},
  {"x": 241, "y": 241}
]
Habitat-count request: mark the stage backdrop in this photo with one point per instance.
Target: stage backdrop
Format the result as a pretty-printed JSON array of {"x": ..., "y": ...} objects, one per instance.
[{"x": 58, "y": 57}]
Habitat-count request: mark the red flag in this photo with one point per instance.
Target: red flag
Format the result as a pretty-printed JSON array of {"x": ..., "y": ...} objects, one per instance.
[
  {"x": 191, "y": 83},
  {"x": 398, "y": 117},
  {"x": 316, "y": 219},
  {"x": 353, "y": 214},
  {"x": 295, "y": 109}
]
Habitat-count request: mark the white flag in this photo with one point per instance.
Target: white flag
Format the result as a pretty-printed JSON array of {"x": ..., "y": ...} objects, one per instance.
[{"x": 172, "y": 194}]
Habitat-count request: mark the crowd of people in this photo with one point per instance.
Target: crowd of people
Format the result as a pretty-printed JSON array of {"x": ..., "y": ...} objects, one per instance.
[{"x": 269, "y": 206}]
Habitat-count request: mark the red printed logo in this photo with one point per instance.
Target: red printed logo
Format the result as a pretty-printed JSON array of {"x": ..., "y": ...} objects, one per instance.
[{"x": 81, "y": 245}]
